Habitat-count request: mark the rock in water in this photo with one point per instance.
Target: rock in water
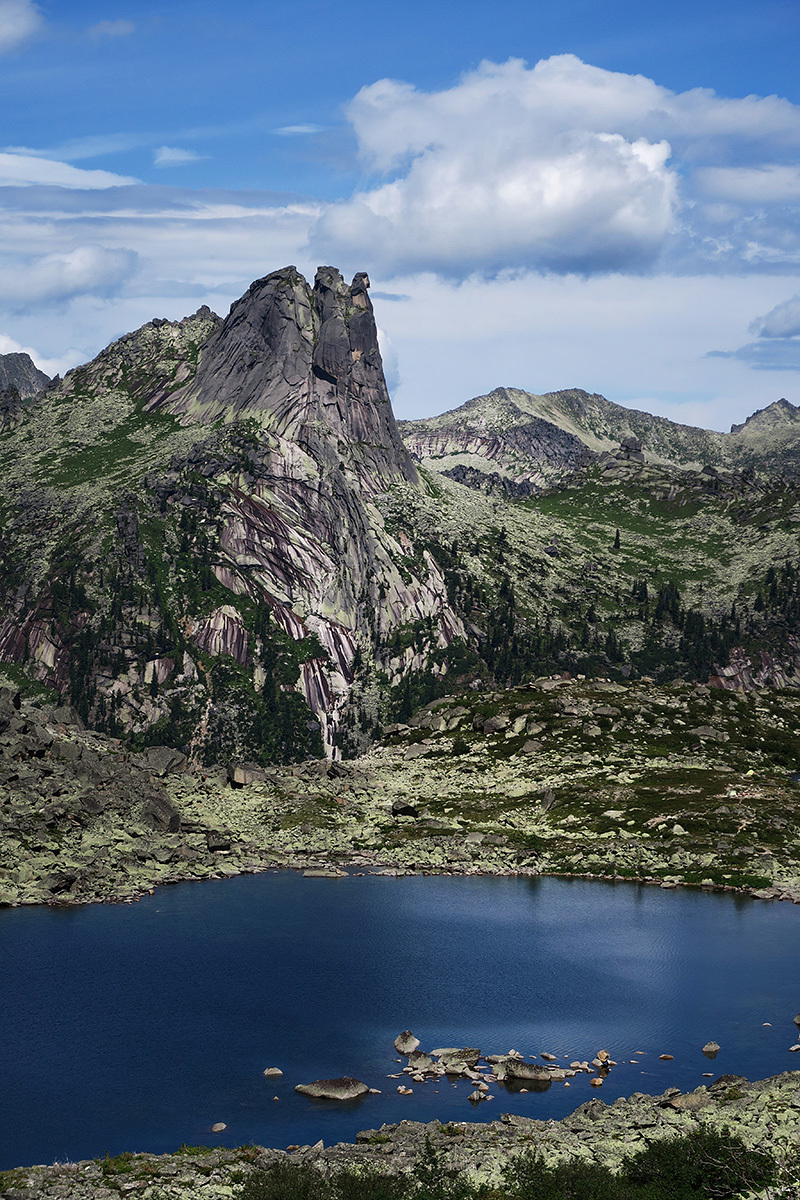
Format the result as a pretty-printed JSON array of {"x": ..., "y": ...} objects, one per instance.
[
  {"x": 711, "y": 1049},
  {"x": 797, "y": 1020},
  {"x": 406, "y": 1043},
  {"x": 345, "y": 1088}
]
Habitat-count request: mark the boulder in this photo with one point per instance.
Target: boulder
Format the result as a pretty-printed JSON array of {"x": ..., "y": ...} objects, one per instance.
[
  {"x": 495, "y": 724},
  {"x": 708, "y": 733},
  {"x": 406, "y": 1043},
  {"x": 58, "y": 882},
  {"x": 243, "y": 774},
  {"x": 518, "y": 1069},
  {"x": 345, "y": 1088},
  {"x": 160, "y": 814},
  {"x": 468, "y": 1056},
  {"x": 271, "y": 1072},
  {"x": 796, "y": 1020},
  {"x": 711, "y": 1049},
  {"x": 160, "y": 760},
  {"x": 401, "y": 808},
  {"x": 217, "y": 840},
  {"x": 66, "y": 751},
  {"x": 690, "y": 1102},
  {"x": 65, "y": 714},
  {"x": 547, "y": 799}
]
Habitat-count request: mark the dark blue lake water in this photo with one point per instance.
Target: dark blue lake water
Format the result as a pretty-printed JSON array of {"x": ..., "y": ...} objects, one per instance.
[{"x": 136, "y": 1027}]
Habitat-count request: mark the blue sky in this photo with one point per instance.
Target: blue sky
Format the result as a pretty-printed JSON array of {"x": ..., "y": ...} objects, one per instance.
[{"x": 545, "y": 195}]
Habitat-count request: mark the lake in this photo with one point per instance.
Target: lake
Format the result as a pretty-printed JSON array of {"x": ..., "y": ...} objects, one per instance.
[{"x": 136, "y": 1027}]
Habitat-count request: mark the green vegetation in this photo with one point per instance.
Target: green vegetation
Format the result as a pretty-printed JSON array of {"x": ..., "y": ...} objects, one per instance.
[{"x": 702, "y": 1165}]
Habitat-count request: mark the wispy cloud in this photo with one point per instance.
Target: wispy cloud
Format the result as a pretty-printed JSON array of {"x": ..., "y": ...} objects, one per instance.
[
  {"x": 299, "y": 130},
  {"x": 174, "y": 156},
  {"x": 25, "y": 169},
  {"x": 58, "y": 277},
  {"x": 112, "y": 29},
  {"x": 771, "y": 184},
  {"x": 778, "y": 344},
  {"x": 19, "y": 21}
]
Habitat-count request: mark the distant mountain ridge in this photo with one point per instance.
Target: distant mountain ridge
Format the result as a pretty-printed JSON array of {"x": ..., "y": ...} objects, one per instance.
[{"x": 541, "y": 438}]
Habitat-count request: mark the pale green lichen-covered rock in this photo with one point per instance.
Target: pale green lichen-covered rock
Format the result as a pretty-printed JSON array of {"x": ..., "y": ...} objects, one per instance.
[{"x": 765, "y": 1115}]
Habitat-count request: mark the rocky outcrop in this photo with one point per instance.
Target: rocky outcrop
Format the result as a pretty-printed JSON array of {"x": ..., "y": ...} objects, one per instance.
[
  {"x": 18, "y": 371},
  {"x": 304, "y": 362},
  {"x": 276, "y": 503},
  {"x": 745, "y": 673},
  {"x": 19, "y": 379}
]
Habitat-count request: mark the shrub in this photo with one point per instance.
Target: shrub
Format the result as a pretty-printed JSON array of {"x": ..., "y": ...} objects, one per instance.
[
  {"x": 706, "y": 1163},
  {"x": 286, "y": 1181}
]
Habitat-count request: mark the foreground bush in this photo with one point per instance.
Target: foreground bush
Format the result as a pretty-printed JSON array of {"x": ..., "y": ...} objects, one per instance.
[{"x": 702, "y": 1165}]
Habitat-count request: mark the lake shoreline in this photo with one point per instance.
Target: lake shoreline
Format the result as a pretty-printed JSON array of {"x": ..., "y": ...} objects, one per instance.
[
  {"x": 544, "y": 779},
  {"x": 764, "y": 1113},
  {"x": 315, "y": 868}
]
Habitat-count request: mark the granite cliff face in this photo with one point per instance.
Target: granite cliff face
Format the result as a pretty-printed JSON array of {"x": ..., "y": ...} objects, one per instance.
[
  {"x": 304, "y": 363},
  {"x": 247, "y": 454}
]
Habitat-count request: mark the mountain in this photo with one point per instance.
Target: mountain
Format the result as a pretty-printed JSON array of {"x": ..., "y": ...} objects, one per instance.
[
  {"x": 19, "y": 371},
  {"x": 190, "y": 532},
  {"x": 215, "y": 537},
  {"x": 19, "y": 379},
  {"x": 538, "y": 440}
]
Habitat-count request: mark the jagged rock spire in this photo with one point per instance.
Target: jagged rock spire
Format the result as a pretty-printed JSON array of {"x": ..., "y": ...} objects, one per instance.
[{"x": 305, "y": 363}]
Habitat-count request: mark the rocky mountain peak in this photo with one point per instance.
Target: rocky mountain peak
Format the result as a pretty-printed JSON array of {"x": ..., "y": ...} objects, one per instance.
[
  {"x": 19, "y": 379},
  {"x": 304, "y": 362},
  {"x": 20, "y": 371},
  {"x": 780, "y": 413}
]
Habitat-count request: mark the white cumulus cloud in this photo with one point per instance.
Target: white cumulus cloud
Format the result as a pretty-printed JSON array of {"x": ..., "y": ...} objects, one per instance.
[
  {"x": 561, "y": 166},
  {"x": 497, "y": 173},
  {"x": 19, "y": 20}
]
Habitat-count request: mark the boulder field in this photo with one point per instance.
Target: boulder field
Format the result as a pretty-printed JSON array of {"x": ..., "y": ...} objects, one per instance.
[
  {"x": 765, "y": 1114},
  {"x": 668, "y": 784}
]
